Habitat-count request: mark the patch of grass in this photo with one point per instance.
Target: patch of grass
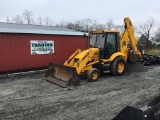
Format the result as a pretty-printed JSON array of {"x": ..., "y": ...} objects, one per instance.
[{"x": 153, "y": 52}]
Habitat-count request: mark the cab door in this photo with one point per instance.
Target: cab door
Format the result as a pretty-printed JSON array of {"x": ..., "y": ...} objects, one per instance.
[{"x": 111, "y": 44}]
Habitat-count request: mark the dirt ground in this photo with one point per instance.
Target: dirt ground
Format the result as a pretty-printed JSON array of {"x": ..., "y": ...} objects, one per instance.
[{"x": 32, "y": 98}]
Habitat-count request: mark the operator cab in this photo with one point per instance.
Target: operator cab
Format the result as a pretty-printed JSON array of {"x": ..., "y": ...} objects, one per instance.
[{"x": 107, "y": 42}]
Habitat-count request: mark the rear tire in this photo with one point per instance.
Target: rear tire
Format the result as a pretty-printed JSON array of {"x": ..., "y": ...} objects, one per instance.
[
  {"x": 93, "y": 74},
  {"x": 118, "y": 66}
]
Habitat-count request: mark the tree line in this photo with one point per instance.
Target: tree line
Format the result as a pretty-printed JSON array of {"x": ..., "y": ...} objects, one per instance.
[
  {"x": 143, "y": 30},
  {"x": 27, "y": 17}
]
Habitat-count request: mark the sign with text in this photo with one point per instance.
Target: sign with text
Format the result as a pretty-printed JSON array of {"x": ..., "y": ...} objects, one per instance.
[{"x": 42, "y": 47}]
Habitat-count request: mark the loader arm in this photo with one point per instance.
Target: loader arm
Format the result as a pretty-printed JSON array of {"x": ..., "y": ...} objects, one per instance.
[
  {"x": 66, "y": 75},
  {"x": 70, "y": 61},
  {"x": 84, "y": 60},
  {"x": 128, "y": 34}
]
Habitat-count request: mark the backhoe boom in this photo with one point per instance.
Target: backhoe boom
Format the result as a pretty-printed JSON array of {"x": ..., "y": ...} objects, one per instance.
[{"x": 128, "y": 34}]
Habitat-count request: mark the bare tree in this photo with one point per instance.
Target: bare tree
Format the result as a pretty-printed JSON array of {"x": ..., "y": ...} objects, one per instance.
[
  {"x": 61, "y": 24},
  {"x": 7, "y": 19},
  {"x": 94, "y": 25},
  {"x": 48, "y": 21},
  {"x": 100, "y": 26},
  {"x": 119, "y": 27},
  {"x": 39, "y": 20},
  {"x": 110, "y": 24},
  {"x": 83, "y": 25},
  {"x": 28, "y": 16},
  {"x": 145, "y": 29},
  {"x": 157, "y": 35},
  {"x": 77, "y": 25},
  {"x": 86, "y": 24},
  {"x": 69, "y": 25},
  {"x": 80, "y": 25},
  {"x": 18, "y": 19}
]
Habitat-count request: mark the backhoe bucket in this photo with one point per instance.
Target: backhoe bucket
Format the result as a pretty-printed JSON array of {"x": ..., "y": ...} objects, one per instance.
[
  {"x": 132, "y": 57},
  {"x": 62, "y": 75}
]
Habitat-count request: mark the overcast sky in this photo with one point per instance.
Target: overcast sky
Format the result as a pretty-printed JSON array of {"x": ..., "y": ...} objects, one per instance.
[{"x": 71, "y": 10}]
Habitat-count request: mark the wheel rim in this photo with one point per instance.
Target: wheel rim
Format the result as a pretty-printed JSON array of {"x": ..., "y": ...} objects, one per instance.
[
  {"x": 120, "y": 67},
  {"x": 94, "y": 75}
]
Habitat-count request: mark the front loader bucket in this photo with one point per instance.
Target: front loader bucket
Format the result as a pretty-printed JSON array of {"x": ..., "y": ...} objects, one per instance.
[{"x": 62, "y": 75}]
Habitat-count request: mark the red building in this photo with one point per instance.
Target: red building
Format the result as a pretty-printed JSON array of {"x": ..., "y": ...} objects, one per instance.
[{"x": 25, "y": 47}]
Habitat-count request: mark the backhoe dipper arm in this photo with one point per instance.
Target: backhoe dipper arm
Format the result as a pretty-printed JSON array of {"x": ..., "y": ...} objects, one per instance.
[{"x": 128, "y": 34}]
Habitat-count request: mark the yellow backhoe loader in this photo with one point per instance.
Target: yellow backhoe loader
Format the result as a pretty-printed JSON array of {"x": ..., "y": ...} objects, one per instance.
[{"x": 108, "y": 51}]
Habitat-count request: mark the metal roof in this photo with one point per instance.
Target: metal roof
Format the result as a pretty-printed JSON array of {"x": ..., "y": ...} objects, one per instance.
[{"x": 36, "y": 29}]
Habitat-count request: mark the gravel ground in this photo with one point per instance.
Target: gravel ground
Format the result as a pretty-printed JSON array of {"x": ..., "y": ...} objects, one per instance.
[{"x": 32, "y": 98}]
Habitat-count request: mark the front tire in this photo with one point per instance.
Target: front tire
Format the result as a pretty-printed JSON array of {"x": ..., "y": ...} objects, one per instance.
[
  {"x": 118, "y": 66},
  {"x": 93, "y": 74}
]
